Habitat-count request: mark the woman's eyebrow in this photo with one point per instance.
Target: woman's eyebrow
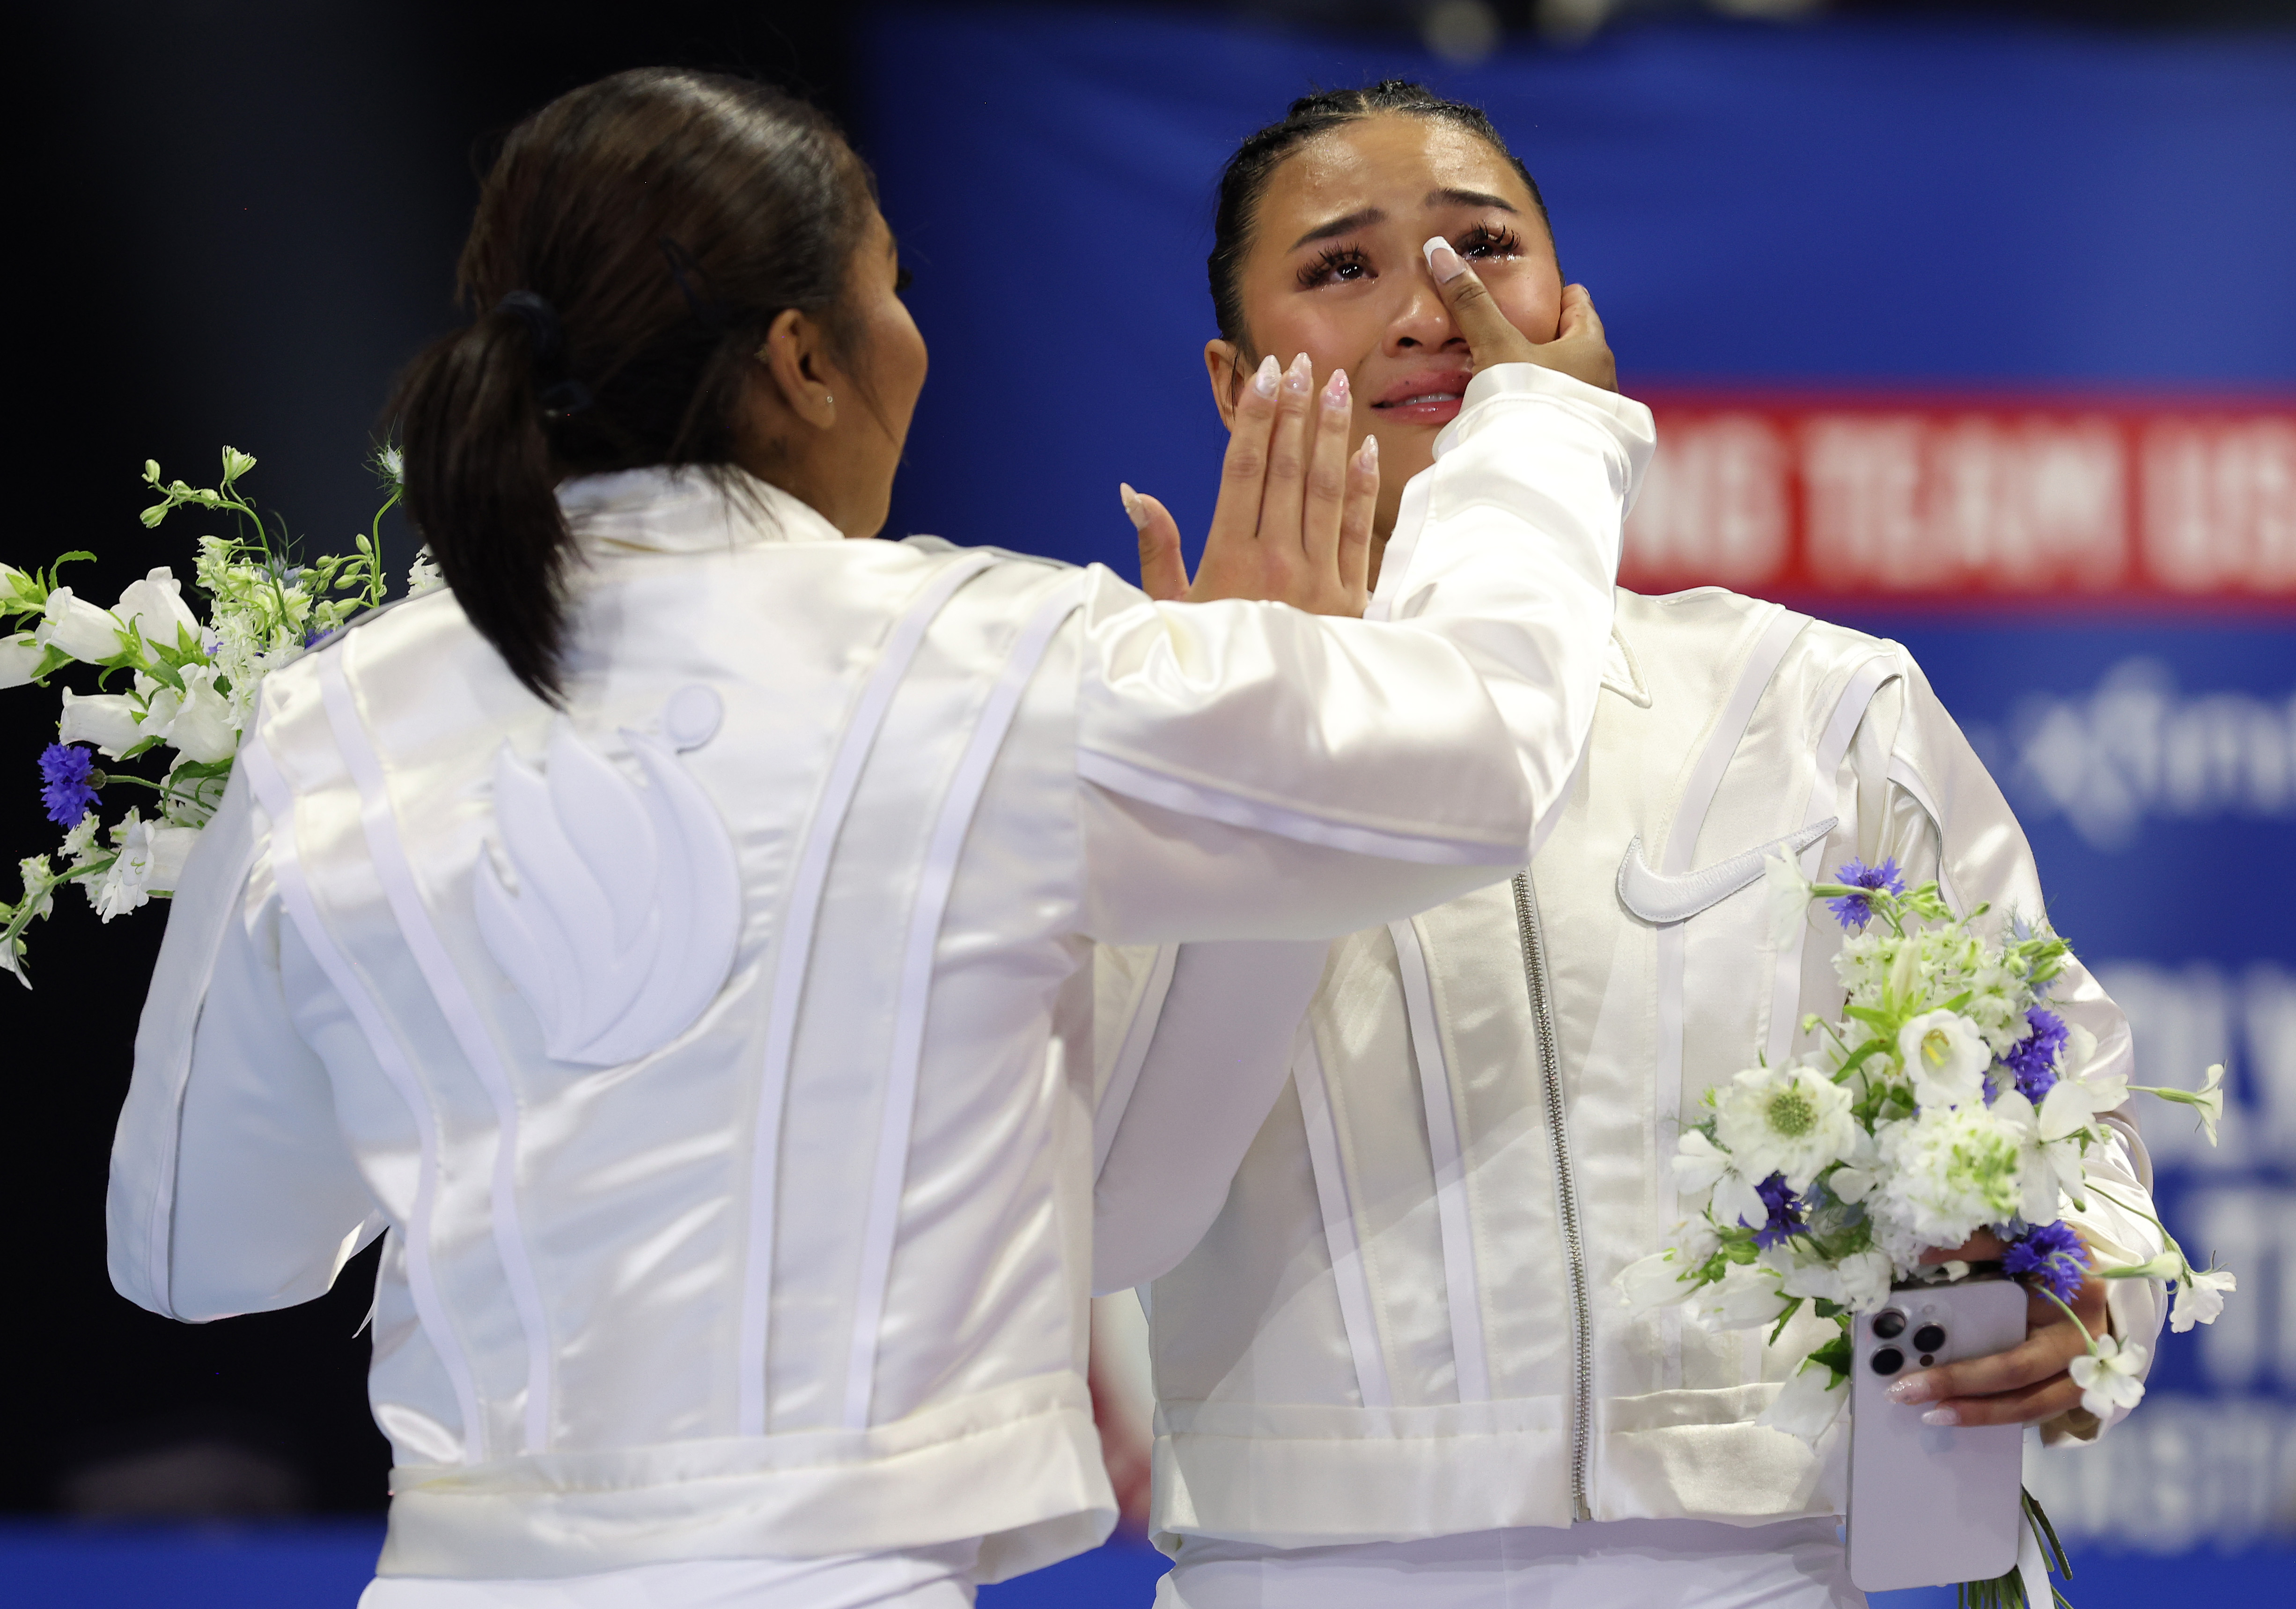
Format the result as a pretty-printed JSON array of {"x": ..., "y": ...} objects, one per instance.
[
  {"x": 1361, "y": 217},
  {"x": 1467, "y": 198}
]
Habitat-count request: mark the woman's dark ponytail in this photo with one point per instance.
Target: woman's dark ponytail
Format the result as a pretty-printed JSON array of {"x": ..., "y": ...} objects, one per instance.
[{"x": 633, "y": 243}]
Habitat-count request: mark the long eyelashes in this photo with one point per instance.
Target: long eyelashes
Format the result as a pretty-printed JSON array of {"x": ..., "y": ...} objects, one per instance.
[{"x": 1347, "y": 265}]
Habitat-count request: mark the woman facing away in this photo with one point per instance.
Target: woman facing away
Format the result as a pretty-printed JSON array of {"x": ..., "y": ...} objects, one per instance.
[
  {"x": 674, "y": 937},
  {"x": 1389, "y": 1363}
]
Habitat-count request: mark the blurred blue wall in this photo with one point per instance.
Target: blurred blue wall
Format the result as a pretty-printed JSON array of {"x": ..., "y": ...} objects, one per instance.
[{"x": 1971, "y": 209}]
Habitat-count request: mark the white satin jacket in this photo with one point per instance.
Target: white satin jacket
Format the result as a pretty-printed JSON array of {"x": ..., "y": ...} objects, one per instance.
[
  {"x": 715, "y": 1056},
  {"x": 1400, "y": 1320}
]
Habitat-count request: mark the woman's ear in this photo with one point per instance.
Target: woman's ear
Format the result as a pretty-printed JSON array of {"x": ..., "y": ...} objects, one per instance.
[
  {"x": 1223, "y": 367},
  {"x": 795, "y": 357}
]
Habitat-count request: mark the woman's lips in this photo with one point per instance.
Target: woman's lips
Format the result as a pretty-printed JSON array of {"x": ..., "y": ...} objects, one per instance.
[{"x": 1430, "y": 397}]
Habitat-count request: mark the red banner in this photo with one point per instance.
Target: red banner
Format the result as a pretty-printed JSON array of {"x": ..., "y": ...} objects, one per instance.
[{"x": 1923, "y": 500}]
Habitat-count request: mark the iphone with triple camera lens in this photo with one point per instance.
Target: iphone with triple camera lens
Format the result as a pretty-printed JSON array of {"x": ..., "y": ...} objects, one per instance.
[{"x": 1931, "y": 1504}]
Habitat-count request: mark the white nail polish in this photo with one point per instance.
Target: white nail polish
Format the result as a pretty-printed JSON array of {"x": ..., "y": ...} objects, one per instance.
[
  {"x": 1445, "y": 264},
  {"x": 1270, "y": 371},
  {"x": 1940, "y": 1416},
  {"x": 1133, "y": 508}
]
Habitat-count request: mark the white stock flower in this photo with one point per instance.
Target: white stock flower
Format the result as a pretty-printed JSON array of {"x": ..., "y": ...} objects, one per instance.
[
  {"x": 79, "y": 847},
  {"x": 198, "y": 722},
  {"x": 106, "y": 720},
  {"x": 78, "y": 627},
  {"x": 1946, "y": 1057},
  {"x": 1790, "y": 1120},
  {"x": 2200, "y": 1297},
  {"x": 150, "y": 860},
  {"x": 2110, "y": 1375},
  {"x": 155, "y": 606},
  {"x": 1746, "y": 1298},
  {"x": 1810, "y": 1403},
  {"x": 423, "y": 575},
  {"x": 1948, "y": 1171},
  {"x": 19, "y": 656}
]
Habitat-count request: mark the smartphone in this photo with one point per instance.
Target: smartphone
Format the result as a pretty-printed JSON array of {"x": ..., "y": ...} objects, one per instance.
[{"x": 1930, "y": 1504}]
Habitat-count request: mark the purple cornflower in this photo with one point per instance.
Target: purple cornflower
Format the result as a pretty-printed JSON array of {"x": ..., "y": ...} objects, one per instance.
[
  {"x": 2033, "y": 1058},
  {"x": 65, "y": 788},
  {"x": 2052, "y": 1255},
  {"x": 1785, "y": 1213},
  {"x": 1855, "y": 910}
]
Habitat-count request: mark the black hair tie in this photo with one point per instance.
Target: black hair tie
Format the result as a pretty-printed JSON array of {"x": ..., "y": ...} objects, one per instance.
[
  {"x": 541, "y": 321},
  {"x": 567, "y": 397}
]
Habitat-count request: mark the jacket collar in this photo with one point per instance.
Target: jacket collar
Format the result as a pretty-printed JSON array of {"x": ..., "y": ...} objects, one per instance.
[{"x": 686, "y": 509}]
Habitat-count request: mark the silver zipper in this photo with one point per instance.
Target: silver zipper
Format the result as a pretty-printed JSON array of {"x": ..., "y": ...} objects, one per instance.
[{"x": 1566, "y": 1191}]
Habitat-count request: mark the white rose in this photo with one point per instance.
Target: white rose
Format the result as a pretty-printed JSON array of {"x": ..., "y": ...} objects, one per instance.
[
  {"x": 1788, "y": 1120},
  {"x": 1946, "y": 1057},
  {"x": 155, "y": 606},
  {"x": 1812, "y": 1400},
  {"x": 19, "y": 656},
  {"x": 106, "y": 720},
  {"x": 78, "y": 627}
]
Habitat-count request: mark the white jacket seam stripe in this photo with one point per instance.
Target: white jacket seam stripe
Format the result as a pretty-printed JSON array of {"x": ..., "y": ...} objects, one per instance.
[
  {"x": 464, "y": 1020},
  {"x": 1901, "y": 771},
  {"x": 421, "y": 1279},
  {"x": 1681, "y": 844},
  {"x": 1857, "y": 694},
  {"x": 1348, "y": 1271},
  {"x": 882, "y": 1222},
  {"x": 793, "y": 953},
  {"x": 1462, "y": 1291},
  {"x": 1132, "y": 1055}
]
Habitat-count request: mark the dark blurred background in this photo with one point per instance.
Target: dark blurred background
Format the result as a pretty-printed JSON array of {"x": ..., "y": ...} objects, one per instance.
[{"x": 235, "y": 223}]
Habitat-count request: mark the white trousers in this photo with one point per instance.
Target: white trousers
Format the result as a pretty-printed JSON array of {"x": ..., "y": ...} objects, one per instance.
[
  {"x": 1616, "y": 1565},
  {"x": 922, "y": 1577}
]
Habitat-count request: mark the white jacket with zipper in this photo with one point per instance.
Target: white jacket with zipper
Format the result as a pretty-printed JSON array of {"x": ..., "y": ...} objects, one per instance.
[{"x": 1396, "y": 1319}]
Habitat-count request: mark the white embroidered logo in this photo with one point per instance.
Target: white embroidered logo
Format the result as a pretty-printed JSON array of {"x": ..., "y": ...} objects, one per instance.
[
  {"x": 628, "y": 903},
  {"x": 1678, "y": 896}
]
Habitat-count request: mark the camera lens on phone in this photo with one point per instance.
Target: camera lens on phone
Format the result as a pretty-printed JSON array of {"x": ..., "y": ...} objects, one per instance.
[
  {"x": 1889, "y": 1324},
  {"x": 1889, "y": 1360},
  {"x": 1929, "y": 1338}
]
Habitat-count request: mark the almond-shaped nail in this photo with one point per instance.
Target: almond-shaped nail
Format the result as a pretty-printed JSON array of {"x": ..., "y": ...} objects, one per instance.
[
  {"x": 1335, "y": 390},
  {"x": 1912, "y": 1388},
  {"x": 1270, "y": 371},
  {"x": 1132, "y": 506},
  {"x": 1445, "y": 264},
  {"x": 1942, "y": 1415},
  {"x": 1367, "y": 455},
  {"x": 1296, "y": 377}
]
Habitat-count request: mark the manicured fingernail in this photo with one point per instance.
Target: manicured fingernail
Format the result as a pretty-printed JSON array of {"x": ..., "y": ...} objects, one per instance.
[
  {"x": 1912, "y": 1388},
  {"x": 1367, "y": 455},
  {"x": 1132, "y": 508},
  {"x": 1445, "y": 264},
  {"x": 1270, "y": 371},
  {"x": 1942, "y": 1415},
  {"x": 1335, "y": 390},
  {"x": 1297, "y": 377}
]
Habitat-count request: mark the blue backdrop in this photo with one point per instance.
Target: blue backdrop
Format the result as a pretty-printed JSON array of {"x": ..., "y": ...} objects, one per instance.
[{"x": 1846, "y": 206}]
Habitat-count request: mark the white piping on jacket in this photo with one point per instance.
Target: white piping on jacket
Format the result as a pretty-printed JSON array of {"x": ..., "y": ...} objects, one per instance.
[
  {"x": 926, "y": 911},
  {"x": 1356, "y": 1315},
  {"x": 1469, "y": 1360},
  {"x": 1672, "y": 942},
  {"x": 808, "y": 876},
  {"x": 1849, "y": 711},
  {"x": 278, "y": 803},
  {"x": 1108, "y": 1116},
  {"x": 464, "y": 1019}
]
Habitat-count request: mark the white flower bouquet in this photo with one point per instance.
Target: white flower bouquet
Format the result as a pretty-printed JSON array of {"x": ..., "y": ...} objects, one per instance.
[
  {"x": 184, "y": 687},
  {"x": 1948, "y": 1099}
]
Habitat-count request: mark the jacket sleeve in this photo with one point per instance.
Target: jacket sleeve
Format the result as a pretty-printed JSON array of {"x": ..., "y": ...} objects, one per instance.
[
  {"x": 1259, "y": 773},
  {"x": 232, "y": 1188},
  {"x": 1927, "y": 799}
]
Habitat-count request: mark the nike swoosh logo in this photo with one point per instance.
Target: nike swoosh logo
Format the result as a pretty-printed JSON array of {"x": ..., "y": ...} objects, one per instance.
[{"x": 1675, "y": 899}]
